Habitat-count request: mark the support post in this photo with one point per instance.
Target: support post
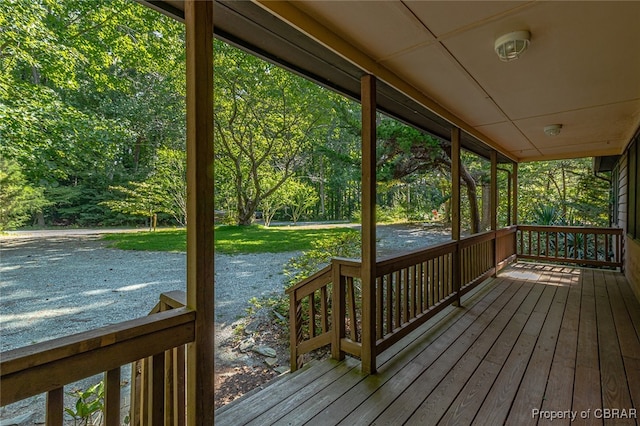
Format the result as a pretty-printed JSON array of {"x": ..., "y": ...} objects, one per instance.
[
  {"x": 200, "y": 252},
  {"x": 368, "y": 271},
  {"x": 455, "y": 210},
  {"x": 514, "y": 204},
  {"x": 494, "y": 206}
]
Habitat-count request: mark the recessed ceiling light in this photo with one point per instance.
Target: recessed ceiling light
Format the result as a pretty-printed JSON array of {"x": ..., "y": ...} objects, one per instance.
[
  {"x": 552, "y": 129},
  {"x": 511, "y": 46}
]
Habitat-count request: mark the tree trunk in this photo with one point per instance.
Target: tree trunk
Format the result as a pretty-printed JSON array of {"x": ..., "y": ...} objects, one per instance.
[
  {"x": 245, "y": 217},
  {"x": 40, "y": 219},
  {"x": 486, "y": 206},
  {"x": 473, "y": 200},
  {"x": 471, "y": 189}
]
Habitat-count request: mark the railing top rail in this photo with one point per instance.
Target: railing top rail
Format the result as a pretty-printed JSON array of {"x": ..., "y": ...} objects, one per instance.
[
  {"x": 583, "y": 229},
  {"x": 347, "y": 261},
  {"x": 506, "y": 230},
  {"x": 477, "y": 238},
  {"x": 306, "y": 281},
  {"x": 174, "y": 299},
  {"x": 414, "y": 257},
  {"x": 68, "y": 346}
]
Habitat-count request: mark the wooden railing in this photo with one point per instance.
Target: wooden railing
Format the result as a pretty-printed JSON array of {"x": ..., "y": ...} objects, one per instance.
[
  {"x": 47, "y": 367},
  {"x": 571, "y": 244},
  {"x": 409, "y": 290},
  {"x": 161, "y": 377}
]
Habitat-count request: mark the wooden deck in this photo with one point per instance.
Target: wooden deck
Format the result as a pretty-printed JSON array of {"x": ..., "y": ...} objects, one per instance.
[{"x": 555, "y": 339}]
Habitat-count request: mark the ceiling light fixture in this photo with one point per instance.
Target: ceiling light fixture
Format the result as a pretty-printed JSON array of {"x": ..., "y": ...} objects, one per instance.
[
  {"x": 552, "y": 129},
  {"x": 511, "y": 46}
]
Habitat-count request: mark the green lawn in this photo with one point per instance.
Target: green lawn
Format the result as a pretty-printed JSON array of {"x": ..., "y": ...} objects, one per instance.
[{"x": 228, "y": 239}]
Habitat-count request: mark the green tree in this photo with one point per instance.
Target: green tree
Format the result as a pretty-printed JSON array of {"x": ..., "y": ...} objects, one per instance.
[
  {"x": 139, "y": 199},
  {"x": 170, "y": 176},
  {"x": 404, "y": 151},
  {"x": 568, "y": 187},
  {"x": 301, "y": 198},
  {"x": 265, "y": 122},
  {"x": 275, "y": 202},
  {"x": 89, "y": 91},
  {"x": 18, "y": 200}
]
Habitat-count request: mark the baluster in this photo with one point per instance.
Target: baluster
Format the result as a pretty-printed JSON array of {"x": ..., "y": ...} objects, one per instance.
[
  {"x": 419, "y": 288},
  {"x": 440, "y": 279},
  {"x": 324, "y": 320},
  {"x": 389, "y": 312},
  {"x": 312, "y": 315},
  {"x": 431, "y": 283},
  {"x": 547, "y": 237},
  {"x": 169, "y": 387},
  {"x": 379, "y": 307},
  {"x": 112, "y": 397},
  {"x": 55, "y": 407},
  {"x": 398, "y": 299},
  {"x": 352, "y": 309},
  {"x": 585, "y": 240},
  {"x": 404, "y": 282},
  {"x": 157, "y": 390},
  {"x": 295, "y": 334}
]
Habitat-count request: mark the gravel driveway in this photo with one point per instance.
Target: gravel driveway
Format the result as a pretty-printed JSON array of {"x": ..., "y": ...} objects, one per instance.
[{"x": 57, "y": 286}]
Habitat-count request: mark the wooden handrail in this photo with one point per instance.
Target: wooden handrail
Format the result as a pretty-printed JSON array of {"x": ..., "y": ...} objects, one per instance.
[
  {"x": 46, "y": 366},
  {"x": 318, "y": 276},
  {"x": 397, "y": 262},
  {"x": 588, "y": 246},
  {"x": 570, "y": 229},
  {"x": 158, "y": 382},
  {"x": 410, "y": 289}
]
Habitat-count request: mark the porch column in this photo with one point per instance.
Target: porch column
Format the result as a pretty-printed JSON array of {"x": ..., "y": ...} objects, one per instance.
[
  {"x": 199, "y": 40},
  {"x": 455, "y": 209},
  {"x": 514, "y": 204},
  {"x": 494, "y": 205},
  {"x": 368, "y": 271}
]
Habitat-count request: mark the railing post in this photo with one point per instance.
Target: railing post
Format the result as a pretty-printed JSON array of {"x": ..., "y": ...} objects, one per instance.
[
  {"x": 494, "y": 207},
  {"x": 455, "y": 211},
  {"x": 368, "y": 272},
  {"x": 514, "y": 204},
  {"x": 295, "y": 334},
  {"x": 337, "y": 311}
]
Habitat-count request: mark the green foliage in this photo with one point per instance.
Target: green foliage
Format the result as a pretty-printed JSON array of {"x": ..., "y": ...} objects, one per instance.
[
  {"x": 165, "y": 191},
  {"x": 89, "y": 405},
  {"x": 140, "y": 199},
  {"x": 569, "y": 186},
  {"x": 320, "y": 254},
  {"x": 301, "y": 197},
  {"x": 92, "y": 98},
  {"x": 18, "y": 200},
  {"x": 546, "y": 215},
  {"x": 266, "y": 119},
  {"x": 88, "y": 92}
]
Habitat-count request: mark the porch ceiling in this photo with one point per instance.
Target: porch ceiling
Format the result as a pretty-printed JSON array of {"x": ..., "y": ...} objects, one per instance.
[{"x": 438, "y": 67}]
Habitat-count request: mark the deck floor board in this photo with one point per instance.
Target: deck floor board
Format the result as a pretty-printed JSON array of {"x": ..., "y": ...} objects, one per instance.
[{"x": 538, "y": 337}]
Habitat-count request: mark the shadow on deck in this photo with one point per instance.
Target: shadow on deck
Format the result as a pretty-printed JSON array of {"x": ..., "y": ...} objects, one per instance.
[{"x": 535, "y": 341}]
